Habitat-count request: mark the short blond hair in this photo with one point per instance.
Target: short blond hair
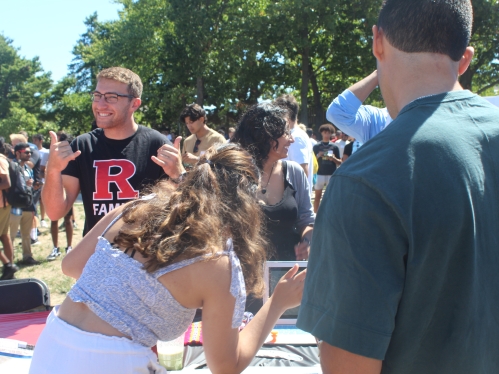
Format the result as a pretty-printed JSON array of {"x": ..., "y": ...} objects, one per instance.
[
  {"x": 17, "y": 138},
  {"x": 302, "y": 126},
  {"x": 123, "y": 75}
]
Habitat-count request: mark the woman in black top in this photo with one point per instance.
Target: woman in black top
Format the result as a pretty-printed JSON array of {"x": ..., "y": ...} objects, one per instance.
[{"x": 284, "y": 192}]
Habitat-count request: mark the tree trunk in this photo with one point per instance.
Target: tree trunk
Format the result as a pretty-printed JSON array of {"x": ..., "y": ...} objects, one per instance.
[
  {"x": 319, "y": 111},
  {"x": 199, "y": 91},
  {"x": 304, "y": 86}
]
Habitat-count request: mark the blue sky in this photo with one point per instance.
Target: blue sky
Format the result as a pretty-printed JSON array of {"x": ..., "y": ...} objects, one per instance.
[{"x": 49, "y": 29}]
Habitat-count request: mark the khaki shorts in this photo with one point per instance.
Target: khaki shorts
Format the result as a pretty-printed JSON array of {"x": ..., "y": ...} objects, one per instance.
[{"x": 4, "y": 220}]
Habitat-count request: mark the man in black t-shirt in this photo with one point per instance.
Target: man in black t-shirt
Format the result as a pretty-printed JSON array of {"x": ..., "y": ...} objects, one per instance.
[
  {"x": 328, "y": 158},
  {"x": 112, "y": 163}
]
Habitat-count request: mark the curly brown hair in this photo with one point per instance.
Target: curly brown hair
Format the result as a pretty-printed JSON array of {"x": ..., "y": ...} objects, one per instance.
[{"x": 216, "y": 202}]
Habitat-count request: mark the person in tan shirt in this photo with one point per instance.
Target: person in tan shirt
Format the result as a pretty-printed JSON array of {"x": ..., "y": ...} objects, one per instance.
[
  {"x": 7, "y": 256},
  {"x": 201, "y": 138}
]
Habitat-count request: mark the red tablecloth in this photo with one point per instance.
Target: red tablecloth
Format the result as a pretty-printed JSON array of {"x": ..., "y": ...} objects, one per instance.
[{"x": 23, "y": 326}]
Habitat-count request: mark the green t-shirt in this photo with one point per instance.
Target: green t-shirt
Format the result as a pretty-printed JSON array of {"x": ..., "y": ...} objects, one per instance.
[{"x": 404, "y": 265}]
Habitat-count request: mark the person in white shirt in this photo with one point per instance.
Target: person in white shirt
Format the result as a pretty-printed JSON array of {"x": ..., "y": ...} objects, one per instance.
[{"x": 301, "y": 150}]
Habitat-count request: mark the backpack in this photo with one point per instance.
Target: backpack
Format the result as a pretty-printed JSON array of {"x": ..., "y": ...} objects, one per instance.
[{"x": 18, "y": 195}]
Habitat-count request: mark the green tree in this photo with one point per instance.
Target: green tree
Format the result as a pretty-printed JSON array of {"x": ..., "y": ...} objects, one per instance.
[
  {"x": 23, "y": 89},
  {"x": 483, "y": 72}
]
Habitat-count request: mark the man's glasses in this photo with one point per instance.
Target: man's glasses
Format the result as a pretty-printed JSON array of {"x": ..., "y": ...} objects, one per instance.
[
  {"x": 196, "y": 145},
  {"x": 25, "y": 151},
  {"x": 110, "y": 97}
]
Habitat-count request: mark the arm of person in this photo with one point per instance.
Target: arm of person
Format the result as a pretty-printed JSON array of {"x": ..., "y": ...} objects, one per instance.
[
  {"x": 335, "y": 360},
  {"x": 74, "y": 262},
  {"x": 60, "y": 191},
  {"x": 4, "y": 175},
  {"x": 336, "y": 156},
  {"x": 227, "y": 350},
  {"x": 348, "y": 114},
  {"x": 302, "y": 249},
  {"x": 363, "y": 88},
  {"x": 305, "y": 169},
  {"x": 297, "y": 179}
]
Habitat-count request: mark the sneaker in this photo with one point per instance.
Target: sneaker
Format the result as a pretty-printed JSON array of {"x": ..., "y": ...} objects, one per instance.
[
  {"x": 54, "y": 254},
  {"x": 43, "y": 224},
  {"x": 62, "y": 227},
  {"x": 69, "y": 249},
  {"x": 8, "y": 271},
  {"x": 75, "y": 226},
  {"x": 38, "y": 232},
  {"x": 35, "y": 242},
  {"x": 30, "y": 261}
]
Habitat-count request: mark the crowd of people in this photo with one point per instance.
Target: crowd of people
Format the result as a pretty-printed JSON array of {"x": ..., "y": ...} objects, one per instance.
[{"x": 402, "y": 253}]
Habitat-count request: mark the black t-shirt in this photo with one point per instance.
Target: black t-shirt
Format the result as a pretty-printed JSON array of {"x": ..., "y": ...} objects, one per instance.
[
  {"x": 112, "y": 172},
  {"x": 349, "y": 148},
  {"x": 326, "y": 164}
]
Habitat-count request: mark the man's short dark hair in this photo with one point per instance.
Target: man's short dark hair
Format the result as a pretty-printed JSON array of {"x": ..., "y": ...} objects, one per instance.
[
  {"x": 289, "y": 103},
  {"x": 20, "y": 147},
  {"x": 194, "y": 112},
  {"x": 434, "y": 26},
  {"x": 326, "y": 127},
  {"x": 38, "y": 137}
]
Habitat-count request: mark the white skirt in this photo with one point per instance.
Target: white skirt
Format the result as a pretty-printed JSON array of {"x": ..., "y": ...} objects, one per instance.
[{"x": 62, "y": 348}]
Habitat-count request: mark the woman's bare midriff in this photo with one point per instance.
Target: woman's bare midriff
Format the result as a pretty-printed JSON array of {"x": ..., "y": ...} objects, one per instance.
[{"x": 79, "y": 315}]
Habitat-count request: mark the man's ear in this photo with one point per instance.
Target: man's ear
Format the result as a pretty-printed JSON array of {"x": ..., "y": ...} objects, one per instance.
[
  {"x": 378, "y": 43},
  {"x": 136, "y": 103},
  {"x": 466, "y": 60}
]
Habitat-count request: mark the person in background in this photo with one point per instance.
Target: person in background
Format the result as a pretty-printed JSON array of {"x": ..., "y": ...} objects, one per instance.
[
  {"x": 23, "y": 216},
  {"x": 68, "y": 218},
  {"x": 201, "y": 138},
  {"x": 144, "y": 269},
  {"x": 360, "y": 121},
  {"x": 112, "y": 163},
  {"x": 342, "y": 141},
  {"x": 328, "y": 158},
  {"x": 44, "y": 156},
  {"x": 7, "y": 255},
  {"x": 405, "y": 279},
  {"x": 231, "y": 131},
  {"x": 311, "y": 136},
  {"x": 284, "y": 192},
  {"x": 300, "y": 150}
]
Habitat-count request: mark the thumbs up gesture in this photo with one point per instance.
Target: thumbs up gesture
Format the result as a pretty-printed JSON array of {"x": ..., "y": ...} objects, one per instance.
[
  {"x": 60, "y": 153},
  {"x": 169, "y": 159}
]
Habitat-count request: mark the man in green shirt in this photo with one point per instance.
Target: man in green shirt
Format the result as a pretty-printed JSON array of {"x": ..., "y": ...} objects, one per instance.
[{"x": 405, "y": 279}]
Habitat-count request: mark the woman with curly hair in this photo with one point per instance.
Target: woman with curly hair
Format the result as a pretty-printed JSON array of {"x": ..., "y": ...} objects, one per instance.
[
  {"x": 284, "y": 192},
  {"x": 146, "y": 267}
]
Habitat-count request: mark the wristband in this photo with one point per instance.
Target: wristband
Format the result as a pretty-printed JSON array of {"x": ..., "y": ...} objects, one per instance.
[{"x": 179, "y": 179}]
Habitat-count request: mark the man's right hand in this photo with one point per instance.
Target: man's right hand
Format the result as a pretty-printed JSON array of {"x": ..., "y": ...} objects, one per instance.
[{"x": 60, "y": 154}]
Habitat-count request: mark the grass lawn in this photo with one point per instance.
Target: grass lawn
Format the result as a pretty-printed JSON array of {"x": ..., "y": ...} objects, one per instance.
[{"x": 50, "y": 271}]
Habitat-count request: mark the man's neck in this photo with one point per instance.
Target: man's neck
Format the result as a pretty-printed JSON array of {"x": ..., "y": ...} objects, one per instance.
[
  {"x": 121, "y": 132},
  {"x": 424, "y": 74},
  {"x": 203, "y": 131}
]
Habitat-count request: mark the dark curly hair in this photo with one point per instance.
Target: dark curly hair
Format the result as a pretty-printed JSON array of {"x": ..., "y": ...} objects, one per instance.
[
  {"x": 217, "y": 201},
  {"x": 261, "y": 126}
]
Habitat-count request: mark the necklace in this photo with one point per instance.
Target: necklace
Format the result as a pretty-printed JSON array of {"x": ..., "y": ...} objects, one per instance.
[{"x": 264, "y": 189}]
